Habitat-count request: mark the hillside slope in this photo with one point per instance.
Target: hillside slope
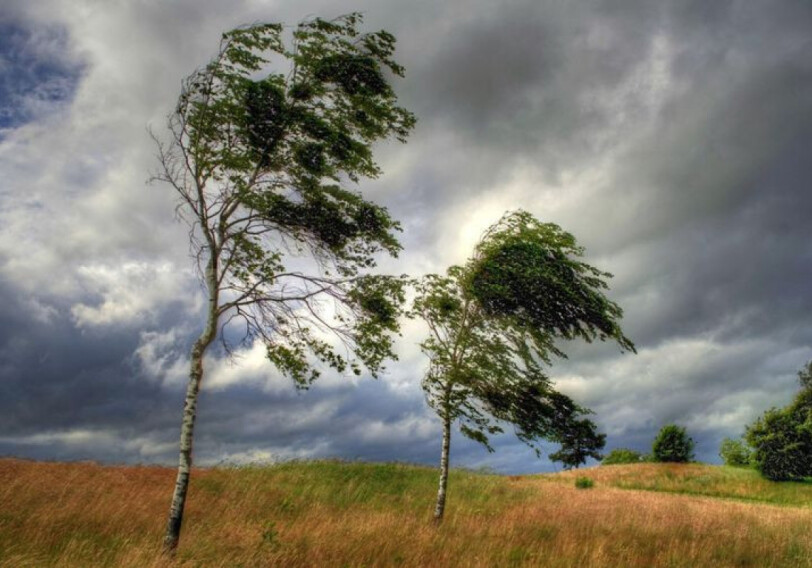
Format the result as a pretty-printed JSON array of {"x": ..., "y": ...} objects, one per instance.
[
  {"x": 738, "y": 483},
  {"x": 354, "y": 514}
]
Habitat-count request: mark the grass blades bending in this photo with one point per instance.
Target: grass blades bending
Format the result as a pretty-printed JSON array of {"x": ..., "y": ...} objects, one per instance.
[{"x": 354, "y": 514}]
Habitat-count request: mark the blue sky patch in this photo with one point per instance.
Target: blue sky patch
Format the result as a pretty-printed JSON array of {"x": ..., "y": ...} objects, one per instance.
[{"x": 36, "y": 74}]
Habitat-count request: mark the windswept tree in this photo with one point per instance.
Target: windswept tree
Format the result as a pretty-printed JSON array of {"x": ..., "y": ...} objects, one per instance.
[
  {"x": 494, "y": 324},
  {"x": 261, "y": 146}
]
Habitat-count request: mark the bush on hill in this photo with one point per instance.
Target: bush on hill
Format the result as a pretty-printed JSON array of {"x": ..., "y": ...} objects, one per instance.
[
  {"x": 623, "y": 455},
  {"x": 783, "y": 445},
  {"x": 672, "y": 444},
  {"x": 735, "y": 453}
]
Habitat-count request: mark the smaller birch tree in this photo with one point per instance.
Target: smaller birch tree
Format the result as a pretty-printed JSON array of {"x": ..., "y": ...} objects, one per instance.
[{"x": 493, "y": 325}]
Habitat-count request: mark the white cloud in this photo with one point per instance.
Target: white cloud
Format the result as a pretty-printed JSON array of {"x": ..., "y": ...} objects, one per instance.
[
  {"x": 133, "y": 292},
  {"x": 160, "y": 356}
]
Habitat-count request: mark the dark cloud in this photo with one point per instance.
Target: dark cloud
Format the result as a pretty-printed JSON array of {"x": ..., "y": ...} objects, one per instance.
[{"x": 671, "y": 138}]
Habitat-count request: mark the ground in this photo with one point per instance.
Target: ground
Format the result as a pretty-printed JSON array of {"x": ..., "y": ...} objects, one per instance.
[{"x": 359, "y": 514}]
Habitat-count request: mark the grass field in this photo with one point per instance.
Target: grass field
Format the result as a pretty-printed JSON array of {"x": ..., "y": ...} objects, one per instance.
[{"x": 354, "y": 514}]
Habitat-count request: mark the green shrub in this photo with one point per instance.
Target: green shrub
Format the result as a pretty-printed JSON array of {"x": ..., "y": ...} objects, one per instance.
[
  {"x": 735, "y": 453},
  {"x": 623, "y": 455},
  {"x": 584, "y": 483},
  {"x": 672, "y": 444},
  {"x": 782, "y": 445},
  {"x": 782, "y": 438}
]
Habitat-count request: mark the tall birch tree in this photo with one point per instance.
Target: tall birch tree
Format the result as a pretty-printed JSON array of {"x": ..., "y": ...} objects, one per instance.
[
  {"x": 496, "y": 322},
  {"x": 261, "y": 147}
]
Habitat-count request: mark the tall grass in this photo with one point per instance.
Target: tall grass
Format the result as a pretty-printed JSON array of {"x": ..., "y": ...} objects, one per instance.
[
  {"x": 744, "y": 484},
  {"x": 352, "y": 514}
]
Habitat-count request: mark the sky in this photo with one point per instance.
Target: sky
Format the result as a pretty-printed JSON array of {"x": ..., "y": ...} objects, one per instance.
[{"x": 673, "y": 139}]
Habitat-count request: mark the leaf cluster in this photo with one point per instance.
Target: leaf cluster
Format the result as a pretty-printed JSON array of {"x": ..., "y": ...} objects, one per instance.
[
  {"x": 263, "y": 140},
  {"x": 531, "y": 272}
]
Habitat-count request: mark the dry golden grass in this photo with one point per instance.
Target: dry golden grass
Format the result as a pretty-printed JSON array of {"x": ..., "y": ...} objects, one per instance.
[
  {"x": 698, "y": 479},
  {"x": 334, "y": 514}
]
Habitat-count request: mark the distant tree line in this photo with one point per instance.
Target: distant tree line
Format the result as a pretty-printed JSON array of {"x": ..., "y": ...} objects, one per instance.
[
  {"x": 778, "y": 444},
  {"x": 672, "y": 444}
]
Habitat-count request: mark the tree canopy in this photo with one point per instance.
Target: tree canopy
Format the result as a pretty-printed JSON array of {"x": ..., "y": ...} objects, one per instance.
[
  {"x": 672, "y": 444},
  {"x": 258, "y": 156}
]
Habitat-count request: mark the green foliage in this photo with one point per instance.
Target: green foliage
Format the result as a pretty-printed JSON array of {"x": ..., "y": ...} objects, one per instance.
[
  {"x": 672, "y": 444},
  {"x": 782, "y": 438},
  {"x": 584, "y": 483},
  {"x": 623, "y": 456},
  {"x": 270, "y": 535},
  {"x": 261, "y": 141},
  {"x": 579, "y": 441},
  {"x": 486, "y": 355},
  {"x": 782, "y": 445},
  {"x": 530, "y": 272},
  {"x": 735, "y": 453},
  {"x": 805, "y": 378}
]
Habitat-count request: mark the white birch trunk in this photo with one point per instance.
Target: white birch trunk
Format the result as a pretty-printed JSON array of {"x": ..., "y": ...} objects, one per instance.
[
  {"x": 441, "y": 492},
  {"x": 175, "y": 520}
]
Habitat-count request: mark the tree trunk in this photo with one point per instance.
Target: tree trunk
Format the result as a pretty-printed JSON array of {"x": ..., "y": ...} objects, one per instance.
[
  {"x": 175, "y": 520},
  {"x": 441, "y": 492}
]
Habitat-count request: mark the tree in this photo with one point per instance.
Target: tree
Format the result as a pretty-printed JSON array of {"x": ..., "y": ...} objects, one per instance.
[
  {"x": 672, "y": 444},
  {"x": 782, "y": 437},
  {"x": 493, "y": 324},
  {"x": 580, "y": 440},
  {"x": 781, "y": 446},
  {"x": 735, "y": 453},
  {"x": 623, "y": 456},
  {"x": 259, "y": 158}
]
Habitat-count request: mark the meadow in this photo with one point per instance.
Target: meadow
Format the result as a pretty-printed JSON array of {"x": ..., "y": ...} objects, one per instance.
[{"x": 359, "y": 514}]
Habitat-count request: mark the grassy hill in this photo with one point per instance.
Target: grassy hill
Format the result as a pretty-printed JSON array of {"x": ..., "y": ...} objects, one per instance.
[{"x": 354, "y": 514}]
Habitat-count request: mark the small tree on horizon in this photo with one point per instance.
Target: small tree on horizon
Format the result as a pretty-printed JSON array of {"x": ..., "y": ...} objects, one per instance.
[
  {"x": 579, "y": 442},
  {"x": 259, "y": 160},
  {"x": 493, "y": 324},
  {"x": 735, "y": 453},
  {"x": 672, "y": 444}
]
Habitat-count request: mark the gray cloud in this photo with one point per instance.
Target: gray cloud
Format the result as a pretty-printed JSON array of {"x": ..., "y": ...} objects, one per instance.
[{"x": 671, "y": 138}]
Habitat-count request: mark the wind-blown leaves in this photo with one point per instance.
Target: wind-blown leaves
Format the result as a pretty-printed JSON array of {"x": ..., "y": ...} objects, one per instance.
[
  {"x": 259, "y": 159},
  {"x": 494, "y": 323}
]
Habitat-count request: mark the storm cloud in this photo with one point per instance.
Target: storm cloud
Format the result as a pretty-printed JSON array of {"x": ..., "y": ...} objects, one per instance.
[{"x": 672, "y": 138}]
